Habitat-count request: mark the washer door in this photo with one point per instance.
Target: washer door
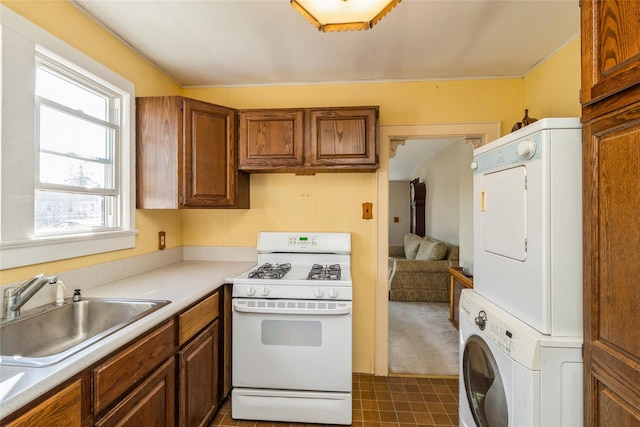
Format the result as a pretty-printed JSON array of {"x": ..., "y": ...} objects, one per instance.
[{"x": 483, "y": 384}]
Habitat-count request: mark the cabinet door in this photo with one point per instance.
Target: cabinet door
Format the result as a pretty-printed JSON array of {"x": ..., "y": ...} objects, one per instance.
[
  {"x": 343, "y": 137},
  {"x": 158, "y": 131},
  {"x": 150, "y": 404},
  {"x": 61, "y": 409},
  {"x": 210, "y": 177},
  {"x": 610, "y": 49},
  {"x": 199, "y": 381},
  {"x": 611, "y": 245},
  {"x": 270, "y": 139}
]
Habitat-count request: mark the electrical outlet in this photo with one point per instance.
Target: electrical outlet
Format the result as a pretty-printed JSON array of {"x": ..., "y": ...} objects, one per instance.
[
  {"x": 161, "y": 240},
  {"x": 367, "y": 210}
]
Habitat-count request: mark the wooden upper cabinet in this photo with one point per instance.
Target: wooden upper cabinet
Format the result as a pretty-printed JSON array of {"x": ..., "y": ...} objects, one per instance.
[
  {"x": 610, "y": 50},
  {"x": 343, "y": 137},
  {"x": 309, "y": 140},
  {"x": 270, "y": 138},
  {"x": 186, "y": 155}
]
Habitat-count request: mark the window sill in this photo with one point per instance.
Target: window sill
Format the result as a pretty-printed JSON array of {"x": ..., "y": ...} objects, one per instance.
[{"x": 36, "y": 251}]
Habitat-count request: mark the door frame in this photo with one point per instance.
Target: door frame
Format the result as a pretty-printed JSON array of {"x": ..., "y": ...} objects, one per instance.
[{"x": 478, "y": 133}]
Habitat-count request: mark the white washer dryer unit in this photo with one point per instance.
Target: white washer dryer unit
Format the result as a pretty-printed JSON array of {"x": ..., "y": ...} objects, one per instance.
[
  {"x": 527, "y": 222},
  {"x": 512, "y": 375}
]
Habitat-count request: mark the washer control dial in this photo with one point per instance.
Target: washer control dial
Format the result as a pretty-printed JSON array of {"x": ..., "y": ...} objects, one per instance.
[{"x": 481, "y": 320}]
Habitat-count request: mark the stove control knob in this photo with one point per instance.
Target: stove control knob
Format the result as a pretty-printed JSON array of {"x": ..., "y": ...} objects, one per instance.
[
  {"x": 318, "y": 293},
  {"x": 265, "y": 291},
  {"x": 333, "y": 293},
  {"x": 250, "y": 291}
]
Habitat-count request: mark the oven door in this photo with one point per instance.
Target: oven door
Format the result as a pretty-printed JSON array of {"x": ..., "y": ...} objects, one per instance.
[{"x": 292, "y": 344}]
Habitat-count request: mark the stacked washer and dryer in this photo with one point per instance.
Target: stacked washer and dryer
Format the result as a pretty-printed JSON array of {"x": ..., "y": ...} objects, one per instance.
[{"x": 521, "y": 325}]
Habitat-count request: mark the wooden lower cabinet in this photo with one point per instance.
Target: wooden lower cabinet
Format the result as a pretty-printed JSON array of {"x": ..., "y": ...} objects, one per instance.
[
  {"x": 225, "y": 341},
  {"x": 177, "y": 373},
  {"x": 150, "y": 404},
  {"x": 64, "y": 408},
  {"x": 199, "y": 380},
  {"x": 130, "y": 366}
]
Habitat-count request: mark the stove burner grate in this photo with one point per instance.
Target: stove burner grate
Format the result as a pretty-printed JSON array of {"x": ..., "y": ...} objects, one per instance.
[
  {"x": 270, "y": 271},
  {"x": 321, "y": 272}
]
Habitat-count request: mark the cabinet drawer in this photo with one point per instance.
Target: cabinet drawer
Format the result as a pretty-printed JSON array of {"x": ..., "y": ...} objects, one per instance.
[
  {"x": 197, "y": 317},
  {"x": 61, "y": 409},
  {"x": 127, "y": 368}
]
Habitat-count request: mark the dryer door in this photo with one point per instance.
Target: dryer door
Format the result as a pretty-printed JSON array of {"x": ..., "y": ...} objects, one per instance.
[
  {"x": 503, "y": 208},
  {"x": 483, "y": 384}
]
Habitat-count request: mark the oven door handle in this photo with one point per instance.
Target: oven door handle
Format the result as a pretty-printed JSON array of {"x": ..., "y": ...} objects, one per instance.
[{"x": 241, "y": 306}]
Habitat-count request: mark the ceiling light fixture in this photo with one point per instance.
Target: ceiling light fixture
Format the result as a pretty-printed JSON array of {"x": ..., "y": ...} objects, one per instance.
[{"x": 344, "y": 15}]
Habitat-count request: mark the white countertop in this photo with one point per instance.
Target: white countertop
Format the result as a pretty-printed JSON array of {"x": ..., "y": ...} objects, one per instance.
[{"x": 181, "y": 283}]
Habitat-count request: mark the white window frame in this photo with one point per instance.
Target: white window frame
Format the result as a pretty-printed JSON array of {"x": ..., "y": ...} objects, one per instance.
[{"x": 21, "y": 41}]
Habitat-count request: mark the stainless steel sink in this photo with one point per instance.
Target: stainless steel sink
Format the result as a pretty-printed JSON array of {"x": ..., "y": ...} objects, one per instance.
[{"x": 48, "y": 334}]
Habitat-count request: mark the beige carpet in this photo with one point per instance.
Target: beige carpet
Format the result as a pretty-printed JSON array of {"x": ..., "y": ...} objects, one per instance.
[{"x": 422, "y": 340}]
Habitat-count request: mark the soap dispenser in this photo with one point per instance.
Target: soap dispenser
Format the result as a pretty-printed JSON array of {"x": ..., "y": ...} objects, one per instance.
[{"x": 76, "y": 295}]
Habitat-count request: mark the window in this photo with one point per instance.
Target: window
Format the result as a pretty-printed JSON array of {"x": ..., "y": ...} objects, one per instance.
[
  {"x": 77, "y": 135},
  {"x": 67, "y": 150}
]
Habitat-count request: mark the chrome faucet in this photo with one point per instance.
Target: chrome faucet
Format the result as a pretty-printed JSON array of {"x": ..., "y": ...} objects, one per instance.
[{"x": 15, "y": 298}]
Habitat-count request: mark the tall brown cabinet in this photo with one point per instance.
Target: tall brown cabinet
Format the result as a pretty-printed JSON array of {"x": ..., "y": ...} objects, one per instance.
[
  {"x": 611, "y": 179},
  {"x": 418, "y": 195}
]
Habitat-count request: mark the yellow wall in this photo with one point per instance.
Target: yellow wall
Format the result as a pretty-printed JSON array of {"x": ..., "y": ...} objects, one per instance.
[
  {"x": 553, "y": 88},
  {"x": 67, "y": 23},
  {"x": 289, "y": 202}
]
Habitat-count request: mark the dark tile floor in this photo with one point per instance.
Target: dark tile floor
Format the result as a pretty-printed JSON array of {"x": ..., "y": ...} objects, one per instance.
[{"x": 384, "y": 402}]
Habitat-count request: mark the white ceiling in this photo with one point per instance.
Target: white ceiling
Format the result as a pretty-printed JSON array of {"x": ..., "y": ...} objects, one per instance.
[
  {"x": 267, "y": 42},
  {"x": 411, "y": 155},
  {"x": 257, "y": 42}
]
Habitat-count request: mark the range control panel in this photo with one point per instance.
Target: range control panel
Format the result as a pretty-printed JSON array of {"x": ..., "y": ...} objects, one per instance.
[
  {"x": 309, "y": 242},
  {"x": 303, "y": 240}
]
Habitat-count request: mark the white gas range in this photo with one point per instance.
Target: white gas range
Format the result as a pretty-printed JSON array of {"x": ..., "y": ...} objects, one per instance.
[{"x": 292, "y": 330}]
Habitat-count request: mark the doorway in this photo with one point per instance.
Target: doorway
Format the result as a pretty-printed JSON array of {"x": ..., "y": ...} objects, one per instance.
[
  {"x": 475, "y": 133},
  {"x": 419, "y": 321}
]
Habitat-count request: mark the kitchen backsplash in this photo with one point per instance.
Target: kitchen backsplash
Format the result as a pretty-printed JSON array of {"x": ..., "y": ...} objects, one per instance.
[{"x": 98, "y": 275}]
